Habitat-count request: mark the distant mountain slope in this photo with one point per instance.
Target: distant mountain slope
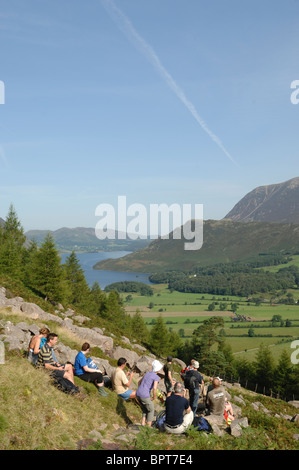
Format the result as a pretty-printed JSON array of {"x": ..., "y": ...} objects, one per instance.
[
  {"x": 274, "y": 203},
  {"x": 84, "y": 239},
  {"x": 223, "y": 241}
]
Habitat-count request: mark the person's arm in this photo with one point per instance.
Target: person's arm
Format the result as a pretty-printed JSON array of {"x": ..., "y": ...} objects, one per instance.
[
  {"x": 130, "y": 379},
  {"x": 88, "y": 369},
  {"x": 155, "y": 387}
]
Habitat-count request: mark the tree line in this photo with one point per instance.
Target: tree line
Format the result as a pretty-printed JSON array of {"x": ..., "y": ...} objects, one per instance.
[{"x": 232, "y": 279}]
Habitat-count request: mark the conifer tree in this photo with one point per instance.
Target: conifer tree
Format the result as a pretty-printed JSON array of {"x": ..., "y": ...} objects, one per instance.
[
  {"x": 78, "y": 289},
  {"x": 139, "y": 328},
  {"x": 159, "y": 338},
  {"x": 98, "y": 301},
  {"x": 48, "y": 272},
  {"x": 28, "y": 262},
  {"x": 12, "y": 248},
  {"x": 264, "y": 367},
  {"x": 283, "y": 377}
]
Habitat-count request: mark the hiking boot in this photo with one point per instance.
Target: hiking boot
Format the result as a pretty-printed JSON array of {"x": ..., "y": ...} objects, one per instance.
[{"x": 102, "y": 392}]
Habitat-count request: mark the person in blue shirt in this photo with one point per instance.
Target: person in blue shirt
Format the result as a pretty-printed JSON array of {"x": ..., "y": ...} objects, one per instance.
[{"x": 87, "y": 373}]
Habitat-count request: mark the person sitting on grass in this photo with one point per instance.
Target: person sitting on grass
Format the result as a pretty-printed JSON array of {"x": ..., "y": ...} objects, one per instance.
[
  {"x": 87, "y": 373},
  {"x": 36, "y": 343},
  {"x": 216, "y": 398},
  {"x": 120, "y": 380},
  {"x": 46, "y": 360},
  {"x": 176, "y": 422}
]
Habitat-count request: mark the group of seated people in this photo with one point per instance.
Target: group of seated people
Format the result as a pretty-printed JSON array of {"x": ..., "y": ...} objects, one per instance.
[
  {"x": 41, "y": 354},
  {"x": 180, "y": 411}
]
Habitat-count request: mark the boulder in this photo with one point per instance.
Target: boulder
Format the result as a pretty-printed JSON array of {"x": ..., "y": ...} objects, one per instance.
[
  {"x": 105, "y": 343},
  {"x": 237, "y": 410},
  {"x": 144, "y": 364},
  {"x": 65, "y": 353},
  {"x": 237, "y": 425},
  {"x": 258, "y": 406},
  {"x": 239, "y": 400},
  {"x": 103, "y": 365},
  {"x": 218, "y": 424},
  {"x": 179, "y": 362},
  {"x": 32, "y": 310},
  {"x": 294, "y": 403},
  {"x": 131, "y": 356}
]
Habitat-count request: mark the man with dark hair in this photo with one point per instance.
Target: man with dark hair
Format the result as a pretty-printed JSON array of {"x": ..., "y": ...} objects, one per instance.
[
  {"x": 121, "y": 382},
  {"x": 45, "y": 359},
  {"x": 87, "y": 373},
  {"x": 176, "y": 404}
]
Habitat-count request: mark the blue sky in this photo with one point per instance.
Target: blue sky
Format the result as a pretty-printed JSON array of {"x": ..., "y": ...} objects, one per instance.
[{"x": 161, "y": 101}]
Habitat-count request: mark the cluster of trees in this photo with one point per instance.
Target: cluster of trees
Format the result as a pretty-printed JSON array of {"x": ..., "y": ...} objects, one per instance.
[
  {"x": 236, "y": 279},
  {"x": 130, "y": 286}
]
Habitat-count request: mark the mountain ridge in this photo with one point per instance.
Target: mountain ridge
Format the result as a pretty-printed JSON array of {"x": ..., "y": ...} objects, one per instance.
[{"x": 271, "y": 203}]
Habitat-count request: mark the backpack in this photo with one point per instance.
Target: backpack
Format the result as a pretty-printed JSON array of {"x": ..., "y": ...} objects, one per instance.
[
  {"x": 201, "y": 424},
  {"x": 189, "y": 382},
  {"x": 160, "y": 419}
]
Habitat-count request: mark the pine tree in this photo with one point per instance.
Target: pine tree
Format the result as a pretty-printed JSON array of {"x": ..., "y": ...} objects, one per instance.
[
  {"x": 28, "y": 262},
  {"x": 139, "y": 328},
  {"x": 159, "y": 338},
  {"x": 48, "y": 272},
  {"x": 98, "y": 301},
  {"x": 12, "y": 244},
  {"x": 264, "y": 367},
  {"x": 77, "y": 287},
  {"x": 283, "y": 377}
]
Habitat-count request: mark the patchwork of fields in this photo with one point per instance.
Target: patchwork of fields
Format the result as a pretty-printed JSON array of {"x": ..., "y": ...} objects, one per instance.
[{"x": 185, "y": 312}]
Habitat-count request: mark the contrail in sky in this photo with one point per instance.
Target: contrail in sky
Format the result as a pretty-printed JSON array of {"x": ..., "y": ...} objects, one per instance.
[{"x": 126, "y": 26}]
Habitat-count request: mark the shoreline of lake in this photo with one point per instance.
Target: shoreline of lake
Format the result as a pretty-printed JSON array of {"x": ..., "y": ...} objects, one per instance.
[{"x": 88, "y": 259}]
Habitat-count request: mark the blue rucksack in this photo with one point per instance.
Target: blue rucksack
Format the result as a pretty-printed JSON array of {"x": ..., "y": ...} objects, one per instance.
[
  {"x": 201, "y": 424},
  {"x": 160, "y": 419}
]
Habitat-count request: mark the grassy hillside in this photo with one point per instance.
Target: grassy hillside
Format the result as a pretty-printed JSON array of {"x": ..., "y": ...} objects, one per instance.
[
  {"x": 36, "y": 416},
  {"x": 223, "y": 241}
]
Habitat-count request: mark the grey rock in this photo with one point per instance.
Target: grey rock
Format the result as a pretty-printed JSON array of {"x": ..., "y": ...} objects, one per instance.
[
  {"x": 239, "y": 400},
  {"x": 131, "y": 356}
]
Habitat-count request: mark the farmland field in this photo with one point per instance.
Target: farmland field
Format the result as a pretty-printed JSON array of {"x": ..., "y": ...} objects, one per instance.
[{"x": 184, "y": 312}]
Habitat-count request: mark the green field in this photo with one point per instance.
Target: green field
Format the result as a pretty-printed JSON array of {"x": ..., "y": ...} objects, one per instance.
[
  {"x": 185, "y": 311},
  {"x": 293, "y": 262}
]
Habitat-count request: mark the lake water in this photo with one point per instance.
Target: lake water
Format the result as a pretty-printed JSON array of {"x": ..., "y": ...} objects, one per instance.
[{"x": 104, "y": 278}]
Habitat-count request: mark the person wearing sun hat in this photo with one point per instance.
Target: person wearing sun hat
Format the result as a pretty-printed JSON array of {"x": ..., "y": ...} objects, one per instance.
[{"x": 146, "y": 385}]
